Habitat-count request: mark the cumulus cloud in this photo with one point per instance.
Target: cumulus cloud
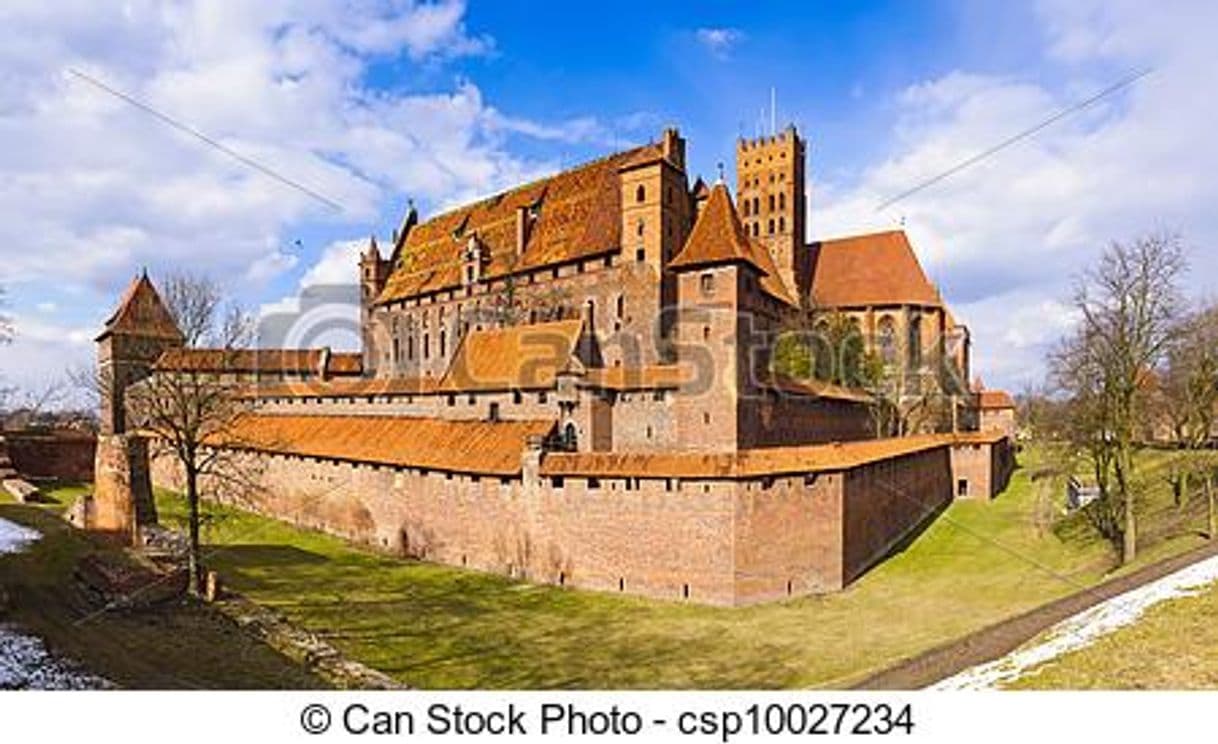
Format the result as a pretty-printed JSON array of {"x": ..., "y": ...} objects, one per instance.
[
  {"x": 719, "y": 41},
  {"x": 1004, "y": 237}
]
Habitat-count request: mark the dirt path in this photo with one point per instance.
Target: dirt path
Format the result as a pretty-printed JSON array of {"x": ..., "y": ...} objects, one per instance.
[{"x": 1002, "y": 638}]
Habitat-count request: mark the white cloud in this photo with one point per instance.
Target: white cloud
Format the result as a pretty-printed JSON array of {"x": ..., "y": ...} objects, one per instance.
[
  {"x": 1005, "y": 236},
  {"x": 719, "y": 41}
]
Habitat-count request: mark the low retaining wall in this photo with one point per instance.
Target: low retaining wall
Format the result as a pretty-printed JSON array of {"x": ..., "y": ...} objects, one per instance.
[{"x": 63, "y": 455}]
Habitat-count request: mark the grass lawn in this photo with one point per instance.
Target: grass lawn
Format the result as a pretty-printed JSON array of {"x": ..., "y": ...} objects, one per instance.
[
  {"x": 437, "y": 627},
  {"x": 177, "y": 646},
  {"x": 1173, "y": 646}
]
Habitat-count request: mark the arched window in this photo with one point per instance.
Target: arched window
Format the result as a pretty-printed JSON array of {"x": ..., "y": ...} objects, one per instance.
[
  {"x": 782, "y": 224},
  {"x": 782, "y": 201},
  {"x": 621, "y": 306},
  {"x": 639, "y": 227},
  {"x": 426, "y": 346},
  {"x": 915, "y": 341},
  {"x": 771, "y": 202},
  {"x": 771, "y": 227},
  {"x": 746, "y": 207},
  {"x": 887, "y": 339},
  {"x": 756, "y": 205},
  {"x": 640, "y": 194},
  {"x": 570, "y": 436},
  {"x": 756, "y": 229}
]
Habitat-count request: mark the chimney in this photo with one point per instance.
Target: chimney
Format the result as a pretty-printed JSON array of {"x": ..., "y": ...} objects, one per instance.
[
  {"x": 524, "y": 224},
  {"x": 323, "y": 363},
  {"x": 673, "y": 147}
]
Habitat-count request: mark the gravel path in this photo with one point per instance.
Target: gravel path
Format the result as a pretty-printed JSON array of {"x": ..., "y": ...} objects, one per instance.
[{"x": 997, "y": 641}]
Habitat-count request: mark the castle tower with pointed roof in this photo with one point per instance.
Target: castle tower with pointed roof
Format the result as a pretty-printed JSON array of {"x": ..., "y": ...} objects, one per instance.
[{"x": 134, "y": 337}]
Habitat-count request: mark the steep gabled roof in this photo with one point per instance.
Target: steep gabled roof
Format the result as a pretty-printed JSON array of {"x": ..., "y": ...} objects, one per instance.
[
  {"x": 141, "y": 312},
  {"x": 718, "y": 237},
  {"x": 875, "y": 269},
  {"x": 577, "y": 215},
  {"x": 525, "y": 357}
]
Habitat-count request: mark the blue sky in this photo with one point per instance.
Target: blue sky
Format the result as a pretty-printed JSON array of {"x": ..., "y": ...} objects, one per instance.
[{"x": 373, "y": 103}]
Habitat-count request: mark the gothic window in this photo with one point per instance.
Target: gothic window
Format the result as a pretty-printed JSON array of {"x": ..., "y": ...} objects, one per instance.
[
  {"x": 915, "y": 341},
  {"x": 640, "y": 194},
  {"x": 887, "y": 339}
]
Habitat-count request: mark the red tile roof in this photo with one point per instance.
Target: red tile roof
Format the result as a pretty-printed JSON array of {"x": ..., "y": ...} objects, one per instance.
[
  {"x": 876, "y": 269},
  {"x": 492, "y": 448},
  {"x": 994, "y": 399},
  {"x": 142, "y": 312},
  {"x": 817, "y": 389},
  {"x": 265, "y": 361},
  {"x": 515, "y": 358},
  {"x": 652, "y": 377},
  {"x": 578, "y": 216},
  {"x": 342, "y": 388},
  {"x": 752, "y": 463},
  {"x": 719, "y": 237}
]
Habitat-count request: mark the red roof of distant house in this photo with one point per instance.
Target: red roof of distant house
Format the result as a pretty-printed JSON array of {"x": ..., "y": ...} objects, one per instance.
[
  {"x": 876, "y": 269},
  {"x": 994, "y": 399},
  {"x": 141, "y": 312}
]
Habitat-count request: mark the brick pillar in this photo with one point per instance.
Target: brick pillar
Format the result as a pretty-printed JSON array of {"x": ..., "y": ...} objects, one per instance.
[{"x": 122, "y": 488}]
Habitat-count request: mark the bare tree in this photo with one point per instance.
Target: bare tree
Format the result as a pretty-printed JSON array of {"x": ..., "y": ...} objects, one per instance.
[
  {"x": 189, "y": 414},
  {"x": 1129, "y": 303},
  {"x": 1187, "y": 398},
  {"x": 194, "y": 301}
]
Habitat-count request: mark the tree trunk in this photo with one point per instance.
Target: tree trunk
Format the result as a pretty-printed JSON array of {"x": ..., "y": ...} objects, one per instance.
[
  {"x": 192, "y": 499},
  {"x": 1208, "y": 484}
]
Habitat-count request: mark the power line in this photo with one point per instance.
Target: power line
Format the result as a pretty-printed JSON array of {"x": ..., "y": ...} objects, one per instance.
[
  {"x": 1075, "y": 108},
  {"x": 181, "y": 127}
]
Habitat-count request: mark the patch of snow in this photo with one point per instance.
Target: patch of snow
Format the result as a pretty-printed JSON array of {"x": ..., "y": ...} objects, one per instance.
[
  {"x": 1084, "y": 628},
  {"x": 14, "y": 537},
  {"x": 26, "y": 664}
]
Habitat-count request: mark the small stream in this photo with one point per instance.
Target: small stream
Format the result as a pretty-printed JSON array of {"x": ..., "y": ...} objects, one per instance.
[{"x": 25, "y": 662}]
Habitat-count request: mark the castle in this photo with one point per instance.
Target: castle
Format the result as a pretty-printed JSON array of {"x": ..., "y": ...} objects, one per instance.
[{"x": 573, "y": 382}]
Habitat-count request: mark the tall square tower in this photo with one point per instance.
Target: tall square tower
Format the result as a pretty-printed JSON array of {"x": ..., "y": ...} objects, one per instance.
[{"x": 773, "y": 203}]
